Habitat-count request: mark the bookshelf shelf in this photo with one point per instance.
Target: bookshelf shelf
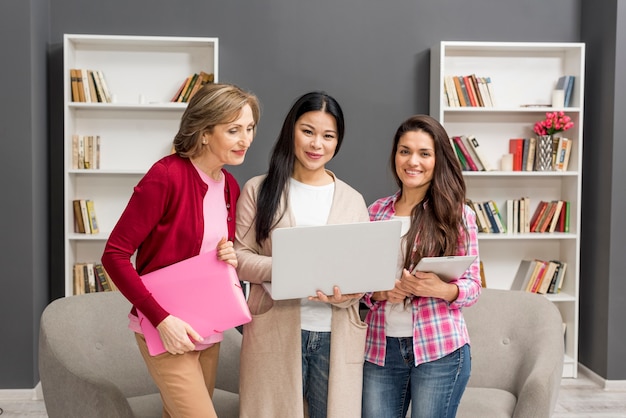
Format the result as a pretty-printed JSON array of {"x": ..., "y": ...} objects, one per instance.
[
  {"x": 529, "y": 236},
  {"x": 143, "y": 73},
  {"x": 523, "y": 76}
]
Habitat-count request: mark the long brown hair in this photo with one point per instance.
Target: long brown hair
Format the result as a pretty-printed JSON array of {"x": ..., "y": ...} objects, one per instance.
[{"x": 437, "y": 221}]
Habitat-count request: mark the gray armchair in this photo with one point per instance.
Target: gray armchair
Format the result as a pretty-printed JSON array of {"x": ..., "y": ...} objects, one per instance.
[
  {"x": 90, "y": 366},
  {"x": 517, "y": 356}
]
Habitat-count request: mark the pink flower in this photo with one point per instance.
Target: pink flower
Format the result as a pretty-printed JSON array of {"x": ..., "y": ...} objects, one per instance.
[{"x": 553, "y": 123}]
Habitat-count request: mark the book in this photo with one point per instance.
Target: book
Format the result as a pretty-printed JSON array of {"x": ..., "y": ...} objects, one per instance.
[
  {"x": 516, "y": 147},
  {"x": 463, "y": 99},
  {"x": 179, "y": 91},
  {"x": 189, "y": 88},
  {"x": 490, "y": 216},
  {"x": 473, "y": 142},
  {"x": 102, "y": 278},
  {"x": 85, "y": 215},
  {"x": 496, "y": 215},
  {"x": 534, "y": 220},
  {"x": 523, "y": 274},
  {"x": 525, "y": 214},
  {"x": 91, "y": 212},
  {"x": 566, "y": 157},
  {"x": 93, "y": 94},
  {"x": 548, "y": 275},
  {"x": 511, "y": 223},
  {"x": 90, "y": 278},
  {"x": 468, "y": 158},
  {"x": 546, "y": 217},
  {"x": 484, "y": 92},
  {"x": 105, "y": 87},
  {"x": 561, "y": 222},
  {"x": 88, "y": 147},
  {"x": 482, "y": 212},
  {"x": 472, "y": 153},
  {"x": 97, "y": 152},
  {"x": 99, "y": 89},
  {"x": 569, "y": 88},
  {"x": 75, "y": 140},
  {"x": 185, "y": 87},
  {"x": 476, "y": 90},
  {"x": 535, "y": 277},
  {"x": 481, "y": 221},
  {"x": 555, "y": 277},
  {"x": 78, "y": 278},
  {"x": 555, "y": 217},
  {"x": 85, "y": 84},
  {"x": 490, "y": 88},
  {"x": 470, "y": 90},
  {"x": 532, "y": 146},
  {"x": 74, "y": 85},
  {"x": 79, "y": 85},
  {"x": 79, "y": 219},
  {"x": 567, "y": 216},
  {"x": 460, "y": 156},
  {"x": 453, "y": 98},
  {"x": 561, "y": 277},
  {"x": 203, "y": 78},
  {"x": 525, "y": 149}
]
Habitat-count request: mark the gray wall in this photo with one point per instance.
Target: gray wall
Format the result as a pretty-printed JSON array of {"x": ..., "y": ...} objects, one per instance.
[
  {"x": 23, "y": 181},
  {"x": 602, "y": 342},
  {"x": 372, "y": 56}
]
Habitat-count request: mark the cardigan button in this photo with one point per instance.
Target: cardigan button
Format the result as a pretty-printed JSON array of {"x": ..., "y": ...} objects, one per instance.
[
  {"x": 229, "y": 219},
  {"x": 227, "y": 205}
]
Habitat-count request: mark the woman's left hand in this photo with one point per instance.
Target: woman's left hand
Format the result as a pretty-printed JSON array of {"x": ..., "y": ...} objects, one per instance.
[
  {"x": 336, "y": 297},
  {"x": 226, "y": 252},
  {"x": 428, "y": 285}
]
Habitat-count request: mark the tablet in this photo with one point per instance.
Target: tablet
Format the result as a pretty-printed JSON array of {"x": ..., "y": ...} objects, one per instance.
[
  {"x": 358, "y": 257},
  {"x": 447, "y": 267}
]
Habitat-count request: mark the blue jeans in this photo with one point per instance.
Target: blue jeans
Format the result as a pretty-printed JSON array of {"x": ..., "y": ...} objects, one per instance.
[
  {"x": 315, "y": 366},
  {"x": 433, "y": 389}
]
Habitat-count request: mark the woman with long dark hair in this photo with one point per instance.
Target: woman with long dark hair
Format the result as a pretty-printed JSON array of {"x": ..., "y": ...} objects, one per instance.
[
  {"x": 302, "y": 354},
  {"x": 417, "y": 349}
]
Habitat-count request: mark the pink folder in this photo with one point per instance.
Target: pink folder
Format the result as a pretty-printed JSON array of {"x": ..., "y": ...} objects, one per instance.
[{"x": 203, "y": 291}]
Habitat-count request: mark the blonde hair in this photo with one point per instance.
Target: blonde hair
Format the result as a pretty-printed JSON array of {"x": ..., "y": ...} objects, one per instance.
[{"x": 213, "y": 104}]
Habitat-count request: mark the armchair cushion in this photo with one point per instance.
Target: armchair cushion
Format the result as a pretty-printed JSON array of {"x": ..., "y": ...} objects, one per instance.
[
  {"x": 90, "y": 366},
  {"x": 517, "y": 350}
]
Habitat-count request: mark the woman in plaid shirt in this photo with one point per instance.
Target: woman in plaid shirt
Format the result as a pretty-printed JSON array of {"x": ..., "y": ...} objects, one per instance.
[{"x": 417, "y": 350}]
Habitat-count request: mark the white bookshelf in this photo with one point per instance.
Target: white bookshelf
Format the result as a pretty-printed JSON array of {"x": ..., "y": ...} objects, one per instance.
[
  {"x": 522, "y": 74},
  {"x": 143, "y": 73}
]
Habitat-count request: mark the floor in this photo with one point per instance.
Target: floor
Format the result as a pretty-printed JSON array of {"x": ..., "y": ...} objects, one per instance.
[{"x": 578, "y": 398}]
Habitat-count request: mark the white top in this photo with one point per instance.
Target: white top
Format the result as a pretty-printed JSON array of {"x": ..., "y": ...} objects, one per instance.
[
  {"x": 310, "y": 206},
  {"x": 398, "y": 317}
]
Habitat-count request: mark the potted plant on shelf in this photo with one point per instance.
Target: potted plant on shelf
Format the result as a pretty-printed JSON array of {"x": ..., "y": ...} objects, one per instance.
[{"x": 554, "y": 123}]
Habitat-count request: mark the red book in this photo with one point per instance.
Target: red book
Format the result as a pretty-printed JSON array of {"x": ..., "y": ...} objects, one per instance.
[
  {"x": 560, "y": 226},
  {"x": 468, "y": 157},
  {"x": 541, "y": 208},
  {"x": 549, "y": 214},
  {"x": 539, "y": 277},
  {"x": 516, "y": 147}
]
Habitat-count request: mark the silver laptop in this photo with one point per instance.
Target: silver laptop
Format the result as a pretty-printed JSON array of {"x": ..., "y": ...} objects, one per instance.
[{"x": 357, "y": 257}]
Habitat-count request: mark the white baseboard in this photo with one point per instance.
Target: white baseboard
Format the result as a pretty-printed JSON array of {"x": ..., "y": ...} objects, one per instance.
[
  {"x": 618, "y": 385},
  {"x": 34, "y": 394}
]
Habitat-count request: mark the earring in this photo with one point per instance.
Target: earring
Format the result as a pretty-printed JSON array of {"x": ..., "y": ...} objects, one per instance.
[{"x": 204, "y": 142}]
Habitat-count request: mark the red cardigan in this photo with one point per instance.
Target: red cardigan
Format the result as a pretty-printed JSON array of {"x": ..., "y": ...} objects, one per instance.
[{"x": 164, "y": 223}]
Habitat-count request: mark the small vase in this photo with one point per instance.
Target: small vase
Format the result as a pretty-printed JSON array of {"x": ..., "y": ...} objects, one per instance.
[{"x": 543, "y": 154}]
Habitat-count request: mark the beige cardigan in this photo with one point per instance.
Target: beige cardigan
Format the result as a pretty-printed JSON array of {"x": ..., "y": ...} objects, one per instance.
[{"x": 271, "y": 364}]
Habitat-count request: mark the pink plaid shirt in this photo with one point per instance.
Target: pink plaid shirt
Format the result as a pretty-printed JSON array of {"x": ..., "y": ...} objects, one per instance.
[{"x": 438, "y": 326}]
